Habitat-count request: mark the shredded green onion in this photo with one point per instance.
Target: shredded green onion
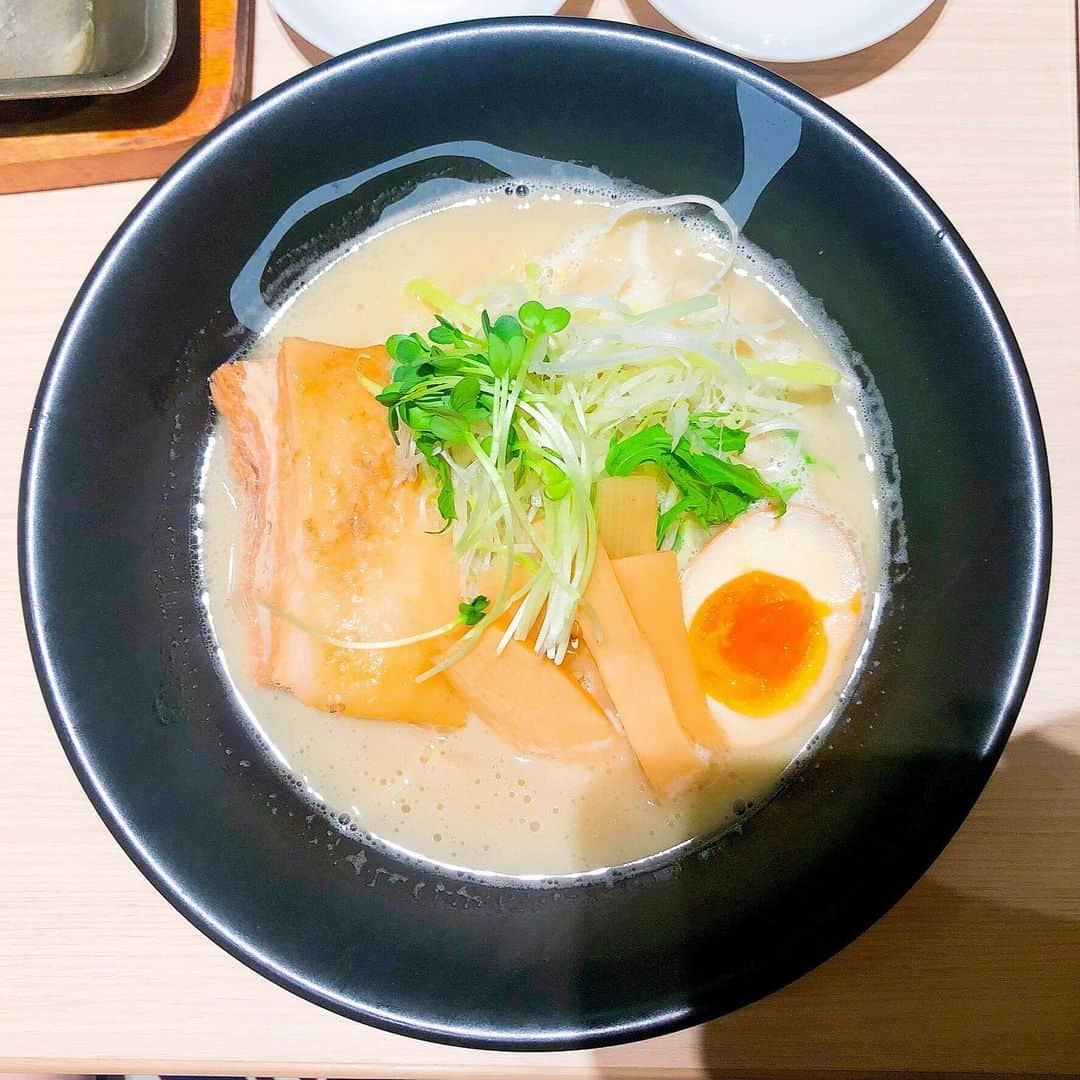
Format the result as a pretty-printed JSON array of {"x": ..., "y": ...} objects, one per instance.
[
  {"x": 795, "y": 372},
  {"x": 469, "y": 614},
  {"x": 442, "y": 302},
  {"x": 524, "y": 394}
]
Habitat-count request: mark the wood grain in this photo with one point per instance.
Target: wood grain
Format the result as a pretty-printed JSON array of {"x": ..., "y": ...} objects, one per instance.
[
  {"x": 78, "y": 141},
  {"x": 975, "y": 972}
]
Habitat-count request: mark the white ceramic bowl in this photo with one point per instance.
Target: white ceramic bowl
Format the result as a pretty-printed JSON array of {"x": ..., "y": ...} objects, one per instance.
[
  {"x": 335, "y": 26},
  {"x": 791, "y": 30}
]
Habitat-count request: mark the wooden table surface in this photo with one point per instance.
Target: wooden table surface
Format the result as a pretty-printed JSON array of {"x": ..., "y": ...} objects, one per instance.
[{"x": 977, "y": 970}]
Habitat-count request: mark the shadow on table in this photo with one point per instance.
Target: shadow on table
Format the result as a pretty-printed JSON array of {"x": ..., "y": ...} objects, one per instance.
[
  {"x": 311, "y": 53},
  {"x": 827, "y": 77},
  {"x": 978, "y": 967},
  {"x": 924, "y": 986},
  {"x": 824, "y": 77}
]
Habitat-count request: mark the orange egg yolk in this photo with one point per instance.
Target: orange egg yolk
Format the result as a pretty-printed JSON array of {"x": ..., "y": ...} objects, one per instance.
[{"x": 758, "y": 643}]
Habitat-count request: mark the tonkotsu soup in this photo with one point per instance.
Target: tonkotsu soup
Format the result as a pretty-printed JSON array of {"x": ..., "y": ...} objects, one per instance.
[{"x": 572, "y": 573}]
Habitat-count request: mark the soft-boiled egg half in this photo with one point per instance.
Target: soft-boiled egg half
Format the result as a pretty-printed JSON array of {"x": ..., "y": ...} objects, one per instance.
[{"x": 772, "y": 605}]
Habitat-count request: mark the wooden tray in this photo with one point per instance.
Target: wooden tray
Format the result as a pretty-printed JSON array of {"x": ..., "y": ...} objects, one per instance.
[{"x": 72, "y": 142}]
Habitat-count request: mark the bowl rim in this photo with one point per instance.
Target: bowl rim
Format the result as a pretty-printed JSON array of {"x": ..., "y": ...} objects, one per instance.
[{"x": 1030, "y": 626}]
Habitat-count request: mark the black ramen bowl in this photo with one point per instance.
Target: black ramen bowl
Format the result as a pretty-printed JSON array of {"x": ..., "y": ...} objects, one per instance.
[{"x": 111, "y": 584}]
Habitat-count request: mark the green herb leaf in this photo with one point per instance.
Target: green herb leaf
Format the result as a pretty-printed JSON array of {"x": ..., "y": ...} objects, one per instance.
[
  {"x": 446, "y": 365},
  {"x": 710, "y": 487},
  {"x": 499, "y": 355},
  {"x": 531, "y": 314},
  {"x": 540, "y": 319},
  {"x": 517, "y": 346},
  {"x": 670, "y": 516},
  {"x": 406, "y": 348},
  {"x": 732, "y": 440},
  {"x": 507, "y": 328},
  {"x": 727, "y": 474},
  {"x": 444, "y": 334},
  {"x": 722, "y": 505},
  {"x": 447, "y": 428},
  {"x": 445, "y": 501},
  {"x": 784, "y": 493},
  {"x": 465, "y": 393},
  {"x": 556, "y": 319},
  {"x": 476, "y": 412},
  {"x": 645, "y": 446},
  {"x": 416, "y": 417},
  {"x": 472, "y": 612},
  {"x": 393, "y": 343}
]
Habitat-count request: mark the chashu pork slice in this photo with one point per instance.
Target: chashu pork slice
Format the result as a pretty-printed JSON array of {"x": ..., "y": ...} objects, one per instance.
[{"x": 335, "y": 537}]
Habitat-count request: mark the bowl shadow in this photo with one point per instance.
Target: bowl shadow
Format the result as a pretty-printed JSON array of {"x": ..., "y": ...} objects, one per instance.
[
  {"x": 821, "y": 77},
  {"x": 975, "y": 970}
]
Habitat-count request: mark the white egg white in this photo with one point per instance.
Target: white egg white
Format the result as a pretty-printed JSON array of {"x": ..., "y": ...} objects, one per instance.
[{"x": 809, "y": 547}]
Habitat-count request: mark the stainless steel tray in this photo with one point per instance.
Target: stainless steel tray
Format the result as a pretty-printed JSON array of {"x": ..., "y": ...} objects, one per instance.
[{"x": 133, "y": 40}]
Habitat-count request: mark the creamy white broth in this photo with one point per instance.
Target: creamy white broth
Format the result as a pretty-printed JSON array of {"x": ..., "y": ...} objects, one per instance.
[{"x": 467, "y": 798}]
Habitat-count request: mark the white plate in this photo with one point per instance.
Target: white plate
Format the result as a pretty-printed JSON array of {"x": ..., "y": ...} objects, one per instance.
[
  {"x": 336, "y": 26},
  {"x": 791, "y": 30}
]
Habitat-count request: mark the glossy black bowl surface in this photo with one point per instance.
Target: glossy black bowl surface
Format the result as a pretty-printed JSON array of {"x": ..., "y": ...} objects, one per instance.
[{"x": 111, "y": 586}]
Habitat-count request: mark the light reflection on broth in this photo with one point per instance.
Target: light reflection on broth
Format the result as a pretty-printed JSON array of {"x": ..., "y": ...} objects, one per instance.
[{"x": 466, "y": 798}]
